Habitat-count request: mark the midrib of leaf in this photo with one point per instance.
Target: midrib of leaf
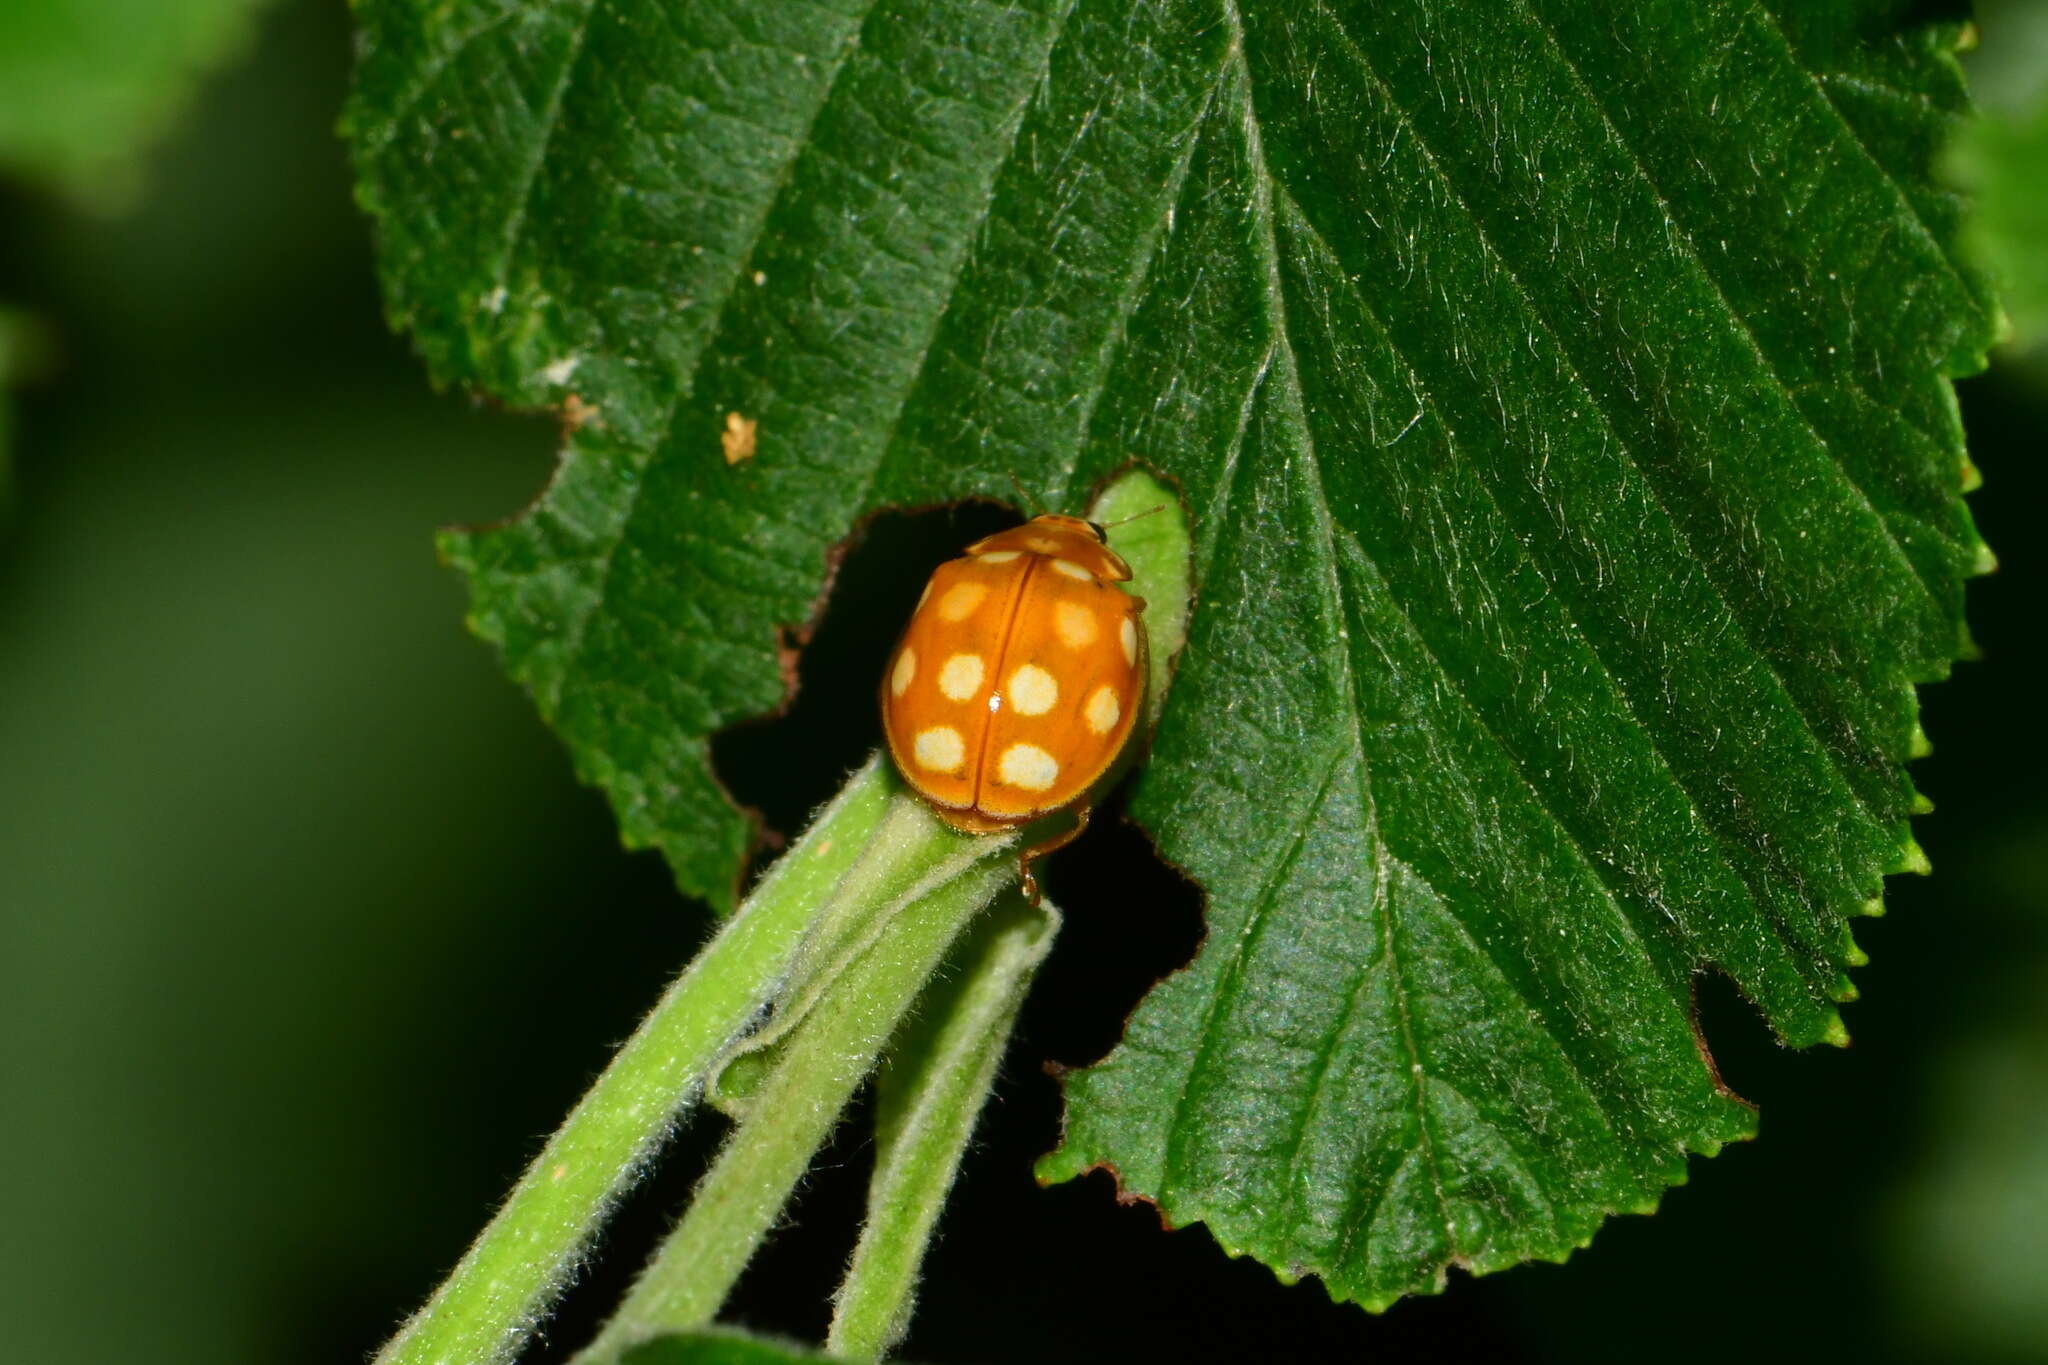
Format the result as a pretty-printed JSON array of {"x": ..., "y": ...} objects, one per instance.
[
  {"x": 1285, "y": 366},
  {"x": 1281, "y": 365},
  {"x": 1324, "y": 535},
  {"x": 1802, "y": 707},
  {"x": 1544, "y": 801},
  {"x": 939, "y": 410},
  {"x": 1263, "y": 194}
]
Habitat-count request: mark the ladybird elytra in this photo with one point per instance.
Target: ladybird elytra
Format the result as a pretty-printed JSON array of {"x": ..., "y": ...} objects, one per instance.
[{"x": 1018, "y": 679}]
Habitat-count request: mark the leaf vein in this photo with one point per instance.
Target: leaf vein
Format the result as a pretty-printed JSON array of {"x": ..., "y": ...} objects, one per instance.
[
  {"x": 1684, "y": 237},
  {"x": 1597, "y": 405},
  {"x": 1227, "y": 990},
  {"x": 871, "y": 477},
  {"x": 431, "y": 74},
  {"x": 1262, "y": 210},
  {"x": 1140, "y": 276},
  {"x": 576, "y": 632},
  {"x": 1908, "y": 210},
  {"x": 551, "y": 119},
  {"x": 1843, "y": 789}
]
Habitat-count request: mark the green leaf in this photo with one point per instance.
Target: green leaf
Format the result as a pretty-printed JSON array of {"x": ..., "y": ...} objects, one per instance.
[
  {"x": 719, "y": 1348},
  {"x": 929, "y": 1094},
  {"x": 1999, "y": 157},
  {"x": 2002, "y": 159},
  {"x": 85, "y": 89},
  {"x": 14, "y": 342},
  {"x": 1560, "y": 394}
]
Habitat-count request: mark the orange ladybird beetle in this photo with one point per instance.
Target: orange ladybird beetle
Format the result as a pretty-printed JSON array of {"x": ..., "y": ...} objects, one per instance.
[{"x": 1018, "y": 680}]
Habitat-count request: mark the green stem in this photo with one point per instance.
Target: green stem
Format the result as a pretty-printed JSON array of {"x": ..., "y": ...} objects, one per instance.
[
  {"x": 487, "y": 1306},
  {"x": 823, "y": 917},
  {"x": 820, "y": 1064},
  {"x": 910, "y": 853},
  {"x": 931, "y": 1092}
]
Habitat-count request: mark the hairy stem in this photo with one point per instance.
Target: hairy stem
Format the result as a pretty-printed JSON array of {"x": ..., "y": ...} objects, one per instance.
[
  {"x": 931, "y": 1091},
  {"x": 820, "y": 1064},
  {"x": 488, "y": 1305}
]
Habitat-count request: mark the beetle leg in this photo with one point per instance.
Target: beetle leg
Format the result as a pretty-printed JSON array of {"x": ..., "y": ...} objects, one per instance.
[{"x": 1045, "y": 846}]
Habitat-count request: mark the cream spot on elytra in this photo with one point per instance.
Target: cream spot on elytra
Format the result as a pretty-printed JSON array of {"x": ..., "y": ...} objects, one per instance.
[
  {"x": 1073, "y": 570},
  {"x": 1029, "y": 767},
  {"x": 997, "y": 556},
  {"x": 1075, "y": 625},
  {"x": 1129, "y": 635},
  {"x": 940, "y": 749},
  {"x": 1102, "y": 710},
  {"x": 960, "y": 601},
  {"x": 905, "y": 670},
  {"x": 1032, "y": 691},
  {"x": 960, "y": 677}
]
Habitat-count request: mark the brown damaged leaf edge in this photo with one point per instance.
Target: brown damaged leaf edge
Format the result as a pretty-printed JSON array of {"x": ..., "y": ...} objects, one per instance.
[
  {"x": 1124, "y": 1196},
  {"x": 1059, "y": 1071},
  {"x": 791, "y": 640},
  {"x": 571, "y": 415},
  {"x": 1699, "y": 1036}
]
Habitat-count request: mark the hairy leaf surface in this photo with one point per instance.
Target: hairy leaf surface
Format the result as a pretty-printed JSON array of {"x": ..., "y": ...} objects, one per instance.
[{"x": 1559, "y": 392}]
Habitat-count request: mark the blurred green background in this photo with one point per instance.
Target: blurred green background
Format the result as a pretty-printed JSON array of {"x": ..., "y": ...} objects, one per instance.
[{"x": 307, "y": 935}]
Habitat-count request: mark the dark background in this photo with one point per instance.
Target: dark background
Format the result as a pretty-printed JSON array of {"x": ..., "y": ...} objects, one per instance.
[{"x": 307, "y": 936}]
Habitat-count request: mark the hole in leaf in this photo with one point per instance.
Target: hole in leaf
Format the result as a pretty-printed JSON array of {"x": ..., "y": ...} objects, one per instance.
[
  {"x": 787, "y": 765},
  {"x": 1733, "y": 1036},
  {"x": 1130, "y": 919}
]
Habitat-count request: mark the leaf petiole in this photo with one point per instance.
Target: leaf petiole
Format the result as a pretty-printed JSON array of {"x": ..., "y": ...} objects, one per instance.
[
  {"x": 861, "y": 852},
  {"x": 820, "y": 1063},
  {"x": 931, "y": 1091}
]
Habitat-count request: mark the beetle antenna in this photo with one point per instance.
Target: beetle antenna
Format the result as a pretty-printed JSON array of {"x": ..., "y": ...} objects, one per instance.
[
  {"x": 1024, "y": 498},
  {"x": 1135, "y": 516}
]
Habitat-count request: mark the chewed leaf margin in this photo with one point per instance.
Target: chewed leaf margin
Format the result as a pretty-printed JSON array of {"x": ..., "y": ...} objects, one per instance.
[{"x": 1560, "y": 396}]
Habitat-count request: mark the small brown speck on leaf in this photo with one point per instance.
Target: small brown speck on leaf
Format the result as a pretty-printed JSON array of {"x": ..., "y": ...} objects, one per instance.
[
  {"x": 577, "y": 414},
  {"x": 738, "y": 438}
]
